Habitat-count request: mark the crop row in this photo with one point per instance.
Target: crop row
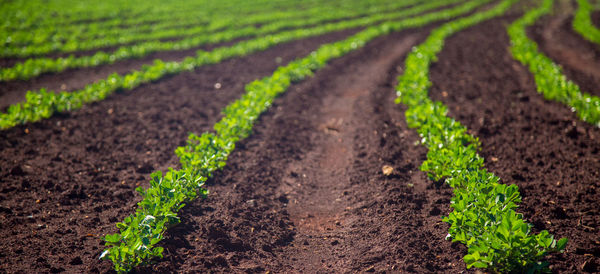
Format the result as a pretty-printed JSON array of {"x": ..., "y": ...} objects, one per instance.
[
  {"x": 139, "y": 233},
  {"x": 226, "y": 25},
  {"x": 483, "y": 216},
  {"x": 93, "y": 38},
  {"x": 72, "y": 15},
  {"x": 53, "y": 40},
  {"x": 36, "y": 66},
  {"x": 43, "y": 104},
  {"x": 549, "y": 77},
  {"x": 582, "y": 22}
]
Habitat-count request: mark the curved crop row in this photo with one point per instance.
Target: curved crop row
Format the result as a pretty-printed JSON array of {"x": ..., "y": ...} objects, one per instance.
[
  {"x": 36, "y": 66},
  {"x": 29, "y": 16},
  {"x": 43, "y": 104},
  {"x": 549, "y": 78},
  {"x": 582, "y": 22},
  {"x": 88, "y": 38},
  {"x": 139, "y": 233},
  {"x": 484, "y": 217},
  {"x": 221, "y": 23}
]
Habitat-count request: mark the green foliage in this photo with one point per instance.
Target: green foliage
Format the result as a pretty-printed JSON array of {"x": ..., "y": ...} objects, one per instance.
[
  {"x": 549, "y": 78},
  {"x": 44, "y": 104},
  {"x": 202, "y": 155},
  {"x": 484, "y": 217}
]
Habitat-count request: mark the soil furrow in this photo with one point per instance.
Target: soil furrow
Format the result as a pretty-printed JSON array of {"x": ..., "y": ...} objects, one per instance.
[
  {"x": 539, "y": 145},
  {"x": 579, "y": 58},
  {"x": 74, "y": 79},
  {"x": 67, "y": 180},
  {"x": 305, "y": 192}
]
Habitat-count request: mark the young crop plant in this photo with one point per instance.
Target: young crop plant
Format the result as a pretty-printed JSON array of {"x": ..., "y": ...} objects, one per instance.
[
  {"x": 43, "y": 104},
  {"x": 483, "y": 216},
  {"x": 582, "y": 22},
  {"x": 549, "y": 78},
  {"x": 139, "y": 234}
]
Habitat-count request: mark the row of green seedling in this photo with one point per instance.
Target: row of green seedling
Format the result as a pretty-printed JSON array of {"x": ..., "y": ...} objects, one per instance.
[
  {"x": 60, "y": 39},
  {"x": 69, "y": 15},
  {"x": 43, "y": 41},
  {"x": 237, "y": 27},
  {"x": 32, "y": 15},
  {"x": 138, "y": 235},
  {"x": 549, "y": 77},
  {"x": 36, "y": 66},
  {"x": 43, "y": 104},
  {"x": 483, "y": 216}
]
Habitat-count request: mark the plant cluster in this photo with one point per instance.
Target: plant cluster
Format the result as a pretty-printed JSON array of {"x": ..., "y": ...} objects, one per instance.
[
  {"x": 549, "y": 77},
  {"x": 483, "y": 217},
  {"x": 135, "y": 244},
  {"x": 43, "y": 104}
]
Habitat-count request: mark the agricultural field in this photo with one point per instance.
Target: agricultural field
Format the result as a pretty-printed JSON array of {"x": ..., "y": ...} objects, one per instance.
[{"x": 285, "y": 136}]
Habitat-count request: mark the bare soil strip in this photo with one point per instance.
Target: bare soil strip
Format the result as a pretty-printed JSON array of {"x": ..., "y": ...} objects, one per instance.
[
  {"x": 539, "y": 145},
  {"x": 579, "y": 58},
  {"x": 67, "y": 180}
]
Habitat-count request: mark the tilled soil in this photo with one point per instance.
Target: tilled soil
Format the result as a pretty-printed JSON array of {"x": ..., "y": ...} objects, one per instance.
[
  {"x": 67, "y": 180},
  {"x": 539, "y": 145},
  {"x": 305, "y": 192}
]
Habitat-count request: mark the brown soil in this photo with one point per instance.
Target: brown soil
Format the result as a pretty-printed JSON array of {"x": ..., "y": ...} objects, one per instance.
[
  {"x": 74, "y": 79},
  {"x": 539, "y": 145},
  {"x": 579, "y": 58},
  {"x": 68, "y": 179}
]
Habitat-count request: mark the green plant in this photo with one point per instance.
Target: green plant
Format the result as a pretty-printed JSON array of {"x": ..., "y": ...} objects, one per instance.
[{"x": 483, "y": 216}]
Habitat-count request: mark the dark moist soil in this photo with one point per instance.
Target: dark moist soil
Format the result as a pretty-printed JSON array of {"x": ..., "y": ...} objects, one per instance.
[
  {"x": 66, "y": 181},
  {"x": 539, "y": 145},
  {"x": 579, "y": 58},
  {"x": 74, "y": 79},
  {"x": 305, "y": 192}
]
